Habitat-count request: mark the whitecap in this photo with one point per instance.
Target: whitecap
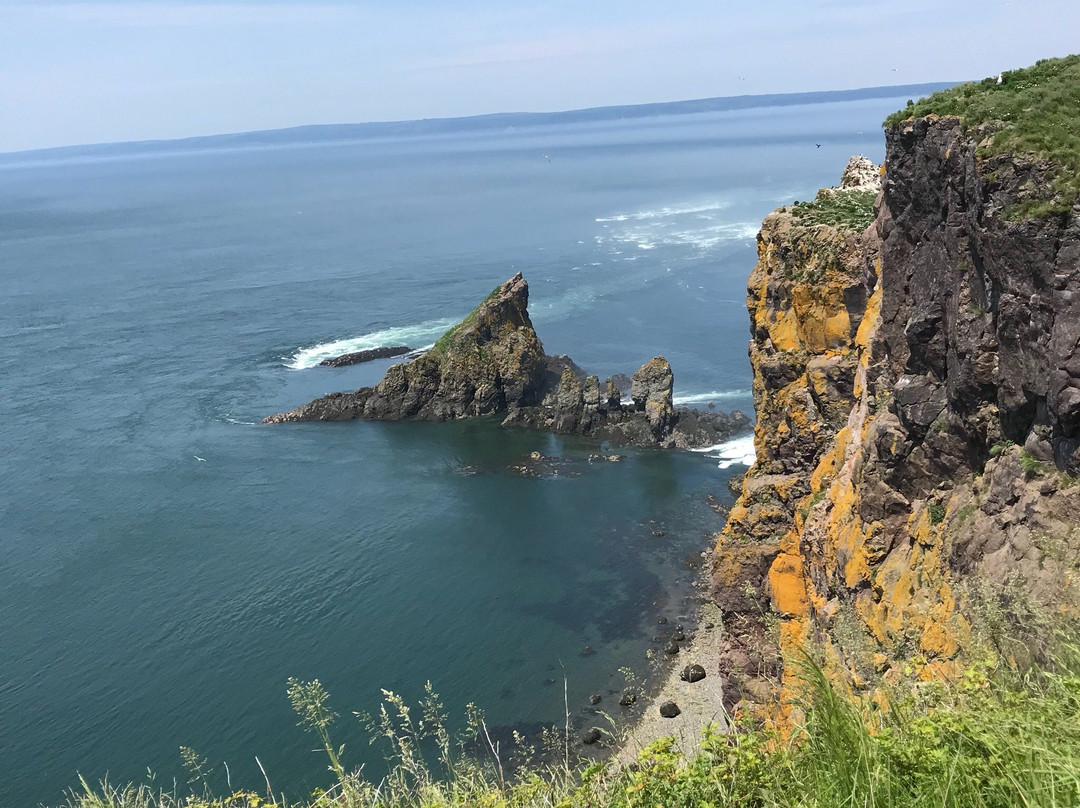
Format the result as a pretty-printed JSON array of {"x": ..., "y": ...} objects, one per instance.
[
  {"x": 667, "y": 212},
  {"x": 424, "y": 333},
  {"x": 739, "y": 451},
  {"x": 715, "y": 395}
]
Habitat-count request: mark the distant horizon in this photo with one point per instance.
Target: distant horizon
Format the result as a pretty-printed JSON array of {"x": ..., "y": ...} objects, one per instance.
[
  {"x": 120, "y": 71},
  {"x": 438, "y": 124}
]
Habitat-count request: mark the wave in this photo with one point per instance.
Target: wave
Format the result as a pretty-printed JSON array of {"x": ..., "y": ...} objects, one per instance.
[
  {"x": 739, "y": 451},
  {"x": 423, "y": 333},
  {"x": 716, "y": 395},
  {"x": 702, "y": 238},
  {"x": 666, "y": 212}
]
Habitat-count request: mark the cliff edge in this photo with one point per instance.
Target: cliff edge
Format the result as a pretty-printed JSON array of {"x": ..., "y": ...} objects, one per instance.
[{"x": 917, "y": 388}]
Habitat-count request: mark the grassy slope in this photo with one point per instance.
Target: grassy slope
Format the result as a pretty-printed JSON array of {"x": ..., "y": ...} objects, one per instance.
[
  {"x": 995, "y": 739},
  {"x": 844, "y": 209},
  {"x": 1034, "y": 111}
]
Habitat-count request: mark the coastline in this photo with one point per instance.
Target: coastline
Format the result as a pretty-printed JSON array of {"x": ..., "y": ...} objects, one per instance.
[{"x": 700, "y": 703}]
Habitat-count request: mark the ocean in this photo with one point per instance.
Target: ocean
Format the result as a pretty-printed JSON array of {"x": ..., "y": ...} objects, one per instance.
[{"x": 167, "y": 563}]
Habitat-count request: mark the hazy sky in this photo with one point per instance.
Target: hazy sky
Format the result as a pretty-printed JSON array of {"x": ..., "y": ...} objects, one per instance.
[{"x": 85, "y": 72}]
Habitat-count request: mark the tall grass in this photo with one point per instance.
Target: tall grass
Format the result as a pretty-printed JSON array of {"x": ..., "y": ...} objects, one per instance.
[
  {"x": 996, "y": 739},
  {"x": 1034, "y": 111}
]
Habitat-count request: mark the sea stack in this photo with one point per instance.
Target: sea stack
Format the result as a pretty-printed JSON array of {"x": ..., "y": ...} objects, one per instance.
[{"x": 493, "y": 362}]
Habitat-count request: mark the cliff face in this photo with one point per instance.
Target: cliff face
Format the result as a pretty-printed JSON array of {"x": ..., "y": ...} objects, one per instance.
[{"x": 917, "y": 388}]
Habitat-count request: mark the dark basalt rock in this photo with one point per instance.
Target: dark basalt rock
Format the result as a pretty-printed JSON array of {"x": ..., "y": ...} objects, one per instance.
[
  {"x": 692, "y": 673},
  {"x": 357, "y": 357},
  {"x": 595, "y": 699},
  {"x": 591, "y": 736},
  {"x": 628, "y": 698},
  {"x": 493, "y": 362},
  {"x": 669, "y": 709},
  {"x": 671, "y": 648}
]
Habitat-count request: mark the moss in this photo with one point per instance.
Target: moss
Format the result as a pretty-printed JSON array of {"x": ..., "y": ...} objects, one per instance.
[{"x": 1034, "y": 112}]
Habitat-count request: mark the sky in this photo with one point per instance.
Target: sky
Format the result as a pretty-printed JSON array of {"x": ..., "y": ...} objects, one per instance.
[{"x": 116, "y": 70}]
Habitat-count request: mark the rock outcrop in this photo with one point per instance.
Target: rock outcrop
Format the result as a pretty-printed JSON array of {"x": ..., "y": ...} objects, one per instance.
[
  {"x": 493, "y": 362},
  {"x": 917, "y": 391},
  {"x": 489, "y": 362},
  {"x": 357, "y": 357}
]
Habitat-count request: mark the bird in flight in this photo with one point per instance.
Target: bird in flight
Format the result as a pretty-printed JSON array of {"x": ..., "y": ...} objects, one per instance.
[
  {"x": 818, "y": 145},
  {"x": 200, "y": 459}
]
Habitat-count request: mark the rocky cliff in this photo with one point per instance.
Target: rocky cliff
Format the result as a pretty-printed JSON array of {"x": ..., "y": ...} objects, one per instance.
[
  {"x": 493, "y": 362},
  {"x": 917, "y": 388}
]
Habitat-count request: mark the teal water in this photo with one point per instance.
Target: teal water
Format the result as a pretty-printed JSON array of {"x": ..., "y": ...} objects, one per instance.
[{"x": 155, "y": 307}]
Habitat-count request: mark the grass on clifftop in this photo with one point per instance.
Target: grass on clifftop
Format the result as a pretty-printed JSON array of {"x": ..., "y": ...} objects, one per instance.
[
  {"x": 1038, "y": 109},
  {"x": 996, "y": 739},
  {"x": 842, "y": 209}
]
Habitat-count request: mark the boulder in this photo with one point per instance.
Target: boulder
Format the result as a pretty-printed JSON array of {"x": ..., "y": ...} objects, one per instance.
[
  {"x": 669, "y": 709},
  {"x": 692, "y": 673}
]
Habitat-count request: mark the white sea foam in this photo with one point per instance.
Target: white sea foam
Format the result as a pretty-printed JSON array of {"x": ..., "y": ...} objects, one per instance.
[
  {"x": 702, "y": 227},
  {"x": 399, "y": 335},
  {"x": 739, "y": 451},
  {"x": 666, "y": 212},
  {"x": 715, "y": 395}
]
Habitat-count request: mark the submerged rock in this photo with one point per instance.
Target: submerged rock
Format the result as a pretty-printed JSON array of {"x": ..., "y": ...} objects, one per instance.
[{"x": 591, "y": 736}]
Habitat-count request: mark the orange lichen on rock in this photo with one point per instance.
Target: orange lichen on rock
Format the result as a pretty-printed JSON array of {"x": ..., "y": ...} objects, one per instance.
[{"x": 872, "y": 505}]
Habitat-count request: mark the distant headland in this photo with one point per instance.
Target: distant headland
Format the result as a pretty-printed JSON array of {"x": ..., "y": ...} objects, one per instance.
[{"x": 345, "y": 132}]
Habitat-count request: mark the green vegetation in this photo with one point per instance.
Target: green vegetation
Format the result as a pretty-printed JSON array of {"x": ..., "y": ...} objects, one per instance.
[
  {"x": 817, "y": 497},
  {"x": 1034, "y": 112},
  {"x": 1033, "y": 467},
  {"x": 1001, "y": 736},
  {"x": 965, "y": 513},
  {"x": 843, "y": 209},
  {"x": 443, "y": 342},
  {"x": 937, "y": 513}
]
